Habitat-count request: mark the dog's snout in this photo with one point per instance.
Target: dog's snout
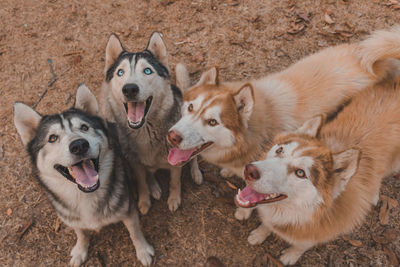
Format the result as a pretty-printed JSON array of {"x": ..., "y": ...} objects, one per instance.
[
  {"x": 251, "y": 172},
  {"x": 174, "y": 138},
  {"x": 79, "y": 146},
  {"x": 130, "y": 90}
]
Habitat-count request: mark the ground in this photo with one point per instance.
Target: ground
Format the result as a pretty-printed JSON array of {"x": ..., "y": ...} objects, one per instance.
[{"x": 246, "y": 39}]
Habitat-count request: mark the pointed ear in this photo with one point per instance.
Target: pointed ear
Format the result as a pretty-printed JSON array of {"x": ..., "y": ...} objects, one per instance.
[
  {"x": 244, "y": 99},
  {"x": 182, "y": 77},
  {"x": 26, "y": 120},
  {"x": 312, "y": 126},
  {"x": 345, "y": 165},
  {"x": 86, "y": 101},
  {"x": 113, "y": 50},
  {"x": 157, "y": 47},
  {"x": 209, "y": 77}
]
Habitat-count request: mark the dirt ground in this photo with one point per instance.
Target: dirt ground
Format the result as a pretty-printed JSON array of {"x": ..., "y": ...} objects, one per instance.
[{"x": 246, "y": 39}]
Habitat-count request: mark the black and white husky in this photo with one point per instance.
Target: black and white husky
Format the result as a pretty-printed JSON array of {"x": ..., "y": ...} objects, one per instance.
[
  {"x": 76, "y": 157},
  {"x": 138, "y": 96}
]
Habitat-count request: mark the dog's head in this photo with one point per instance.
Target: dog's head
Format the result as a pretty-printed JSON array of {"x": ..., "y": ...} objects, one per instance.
[
  {"x": 138, "y": 81},
  {"x": 299, "y": 170},
  {"x": 69, "y": 145},
  {"x": 213, "y": 118}
]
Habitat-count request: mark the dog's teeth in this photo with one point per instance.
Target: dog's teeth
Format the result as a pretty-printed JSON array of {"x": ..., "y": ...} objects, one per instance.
[{"x": 239, "y": 191}]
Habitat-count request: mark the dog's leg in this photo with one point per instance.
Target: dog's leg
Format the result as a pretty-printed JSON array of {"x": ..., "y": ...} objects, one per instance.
[
  {"x": 80, "y": 250},
  {"x": 144, "y": 251},
  {"x": 143, "y": 189},
  {"x": 242, "y": 213},
  {"x": 258, "y": 235},
  {"x": 197, "y": 176},
  {"x": 226, "y": 173},
  {"x": 155, "y": 188},
  {"x": 174, "y": 199},
  {"x": 291, "y": 255}
]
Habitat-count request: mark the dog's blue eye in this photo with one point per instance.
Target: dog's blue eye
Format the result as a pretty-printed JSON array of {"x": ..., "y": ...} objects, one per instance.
[
  {"x": 120, "y": 72},
  {"x": 84, "y": 127},
  {"x": 147, "y": 71}
]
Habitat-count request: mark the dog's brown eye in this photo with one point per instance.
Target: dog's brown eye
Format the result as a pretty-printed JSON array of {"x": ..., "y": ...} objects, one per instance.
[
  {"x": 279, "y": 150},
  {"x": 300, "y": 173},
  {"x": 53, "y": 138},
  {"x": 212, "y": 122},
  {"x": 190, "y": 108},
  {"x": 84, "y": 127}
]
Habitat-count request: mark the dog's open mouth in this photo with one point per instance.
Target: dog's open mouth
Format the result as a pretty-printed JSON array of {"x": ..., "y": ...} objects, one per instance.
[
  {"x": 248, "y": 198},
  {"x": 136, "y": 112},
  {"x": 178, "y": 157},
  {"x": 84, "y": 174}
]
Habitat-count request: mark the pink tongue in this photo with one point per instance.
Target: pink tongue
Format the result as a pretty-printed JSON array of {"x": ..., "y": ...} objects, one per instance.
[
  {"x": 85, "y": 174},
  {"x": 248, "y": 194},
  {"x": 177, "y": 155},
  {"x": 135, "y": 111}
]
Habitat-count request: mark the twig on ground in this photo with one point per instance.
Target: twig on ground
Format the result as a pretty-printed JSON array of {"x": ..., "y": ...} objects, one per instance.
[
  {"x": 274, "y": 261},
  {"x": 40, "y": 98},
  {"x": 52, "y": 81},
  {"x": 76, "y": 52},
  {"x": 25, "y": 228},
  {"x": 53, "y": 78}
]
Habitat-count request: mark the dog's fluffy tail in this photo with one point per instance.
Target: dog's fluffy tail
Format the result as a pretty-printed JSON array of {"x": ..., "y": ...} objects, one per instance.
[
  {"x": 380, "y": 53},
  {"x": 182, "y": 77}
]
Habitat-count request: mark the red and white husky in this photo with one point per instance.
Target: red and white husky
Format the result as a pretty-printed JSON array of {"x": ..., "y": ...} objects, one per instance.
[
  {"x": 308, "y": 189},
  {"x": 233, "y": 123}
]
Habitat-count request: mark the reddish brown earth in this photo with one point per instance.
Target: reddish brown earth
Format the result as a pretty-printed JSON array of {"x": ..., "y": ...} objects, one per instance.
[{"x": 246, "y": 39}]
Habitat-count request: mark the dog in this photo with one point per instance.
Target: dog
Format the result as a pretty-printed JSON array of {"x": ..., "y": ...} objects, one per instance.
[
  {"x": 138, "y": 96},
  {"x": 321, "y": 181},
  {"x": 77, "y": 160},
  {"x": 233, "y": 123}
]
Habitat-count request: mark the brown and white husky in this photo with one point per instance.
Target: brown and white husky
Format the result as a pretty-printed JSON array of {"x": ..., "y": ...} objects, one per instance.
[{"x": 320, "y": 182}]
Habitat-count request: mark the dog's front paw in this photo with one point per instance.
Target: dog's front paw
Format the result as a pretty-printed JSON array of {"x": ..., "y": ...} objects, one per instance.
[
  {"x": 145, "y": 254},
  {"x": 79, "y": 256},
  {"x": 290, "y": 256},
  {"x": 174, "y": 202},
  {"x": 155, "y": 190},
  {"x": 242, "y": 213},
  {"x": 197, "y": 176},
  {"x": 226, "y": 173},
  {"x": 144, "y": 205},
  {"x": 257, "y": 236}
]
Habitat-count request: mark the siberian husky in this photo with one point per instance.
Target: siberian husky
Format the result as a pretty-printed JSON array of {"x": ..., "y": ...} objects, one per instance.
[
  {"x": 138, "y": 96},
  {"x": 318, "y": 183},
  {"x": 76, "y": 158},
  {"x": 233, "y": 123}
]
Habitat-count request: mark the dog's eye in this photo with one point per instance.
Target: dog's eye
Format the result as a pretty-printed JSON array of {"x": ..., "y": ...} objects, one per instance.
[
  {"x": 212, "y": 122},
  {"x": 84, "y": 127},
  {"x": 279, "y": 150},
  {"x": 147, "y": 71},
  {"x": 120, "y": 72},
  {"x": 190, "y": 108},
  {"x": 300, "y": 173},
  {"x": 53, "y": 138}
]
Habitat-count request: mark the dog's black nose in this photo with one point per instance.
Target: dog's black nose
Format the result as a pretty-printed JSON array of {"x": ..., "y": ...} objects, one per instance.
[
  {"x": 130, "y": 90},
  {"x": 79, "y": 146}
]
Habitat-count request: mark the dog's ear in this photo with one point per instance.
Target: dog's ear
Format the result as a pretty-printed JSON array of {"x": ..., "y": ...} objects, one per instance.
[
  {"x": 311, "y": 127},
  {"x": 26, "y": 120},
  {"x": 86, "y": 101},
  {"x": 209, "y": 77},
  {"x": 345, "y": 165},
  {"x": 157, "y": 47},
  {"x": 244, "y": 99},
  {"x": 182, "y": 77},
  {"x": 113, "y": 50}
]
